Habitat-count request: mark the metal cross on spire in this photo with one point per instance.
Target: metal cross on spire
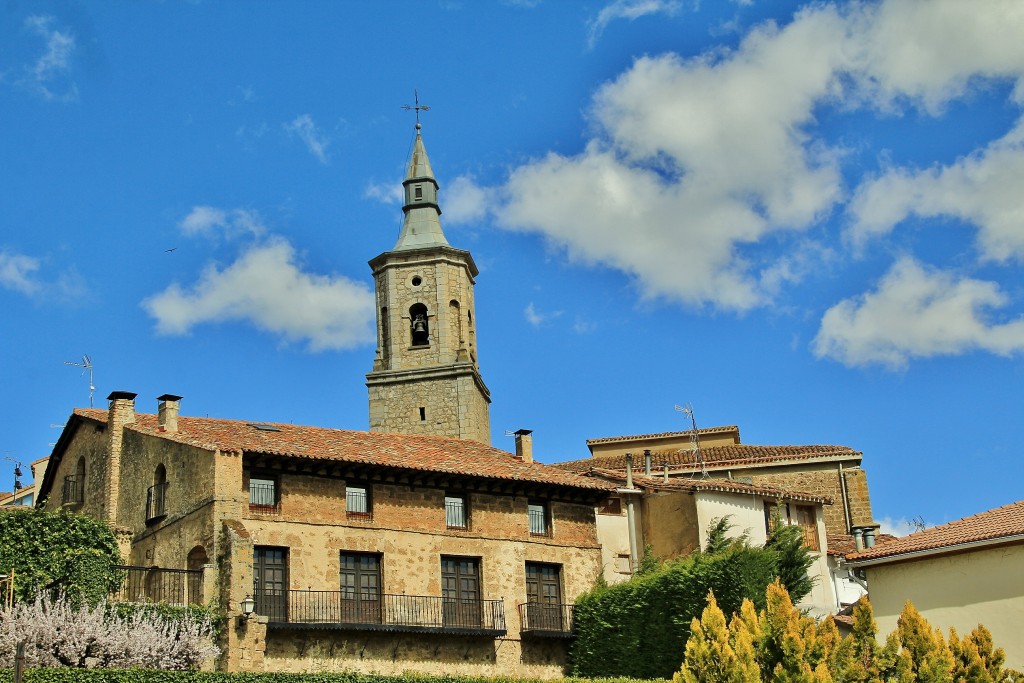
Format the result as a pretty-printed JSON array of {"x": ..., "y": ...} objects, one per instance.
[{"x": 417, "y": 108}]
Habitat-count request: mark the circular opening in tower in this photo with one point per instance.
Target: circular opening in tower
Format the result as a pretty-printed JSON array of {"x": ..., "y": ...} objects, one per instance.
[{"x": 417, "y": 281}]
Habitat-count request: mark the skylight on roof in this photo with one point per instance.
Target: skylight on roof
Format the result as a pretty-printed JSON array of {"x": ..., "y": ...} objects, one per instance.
[{"x": 263, "y": 427}]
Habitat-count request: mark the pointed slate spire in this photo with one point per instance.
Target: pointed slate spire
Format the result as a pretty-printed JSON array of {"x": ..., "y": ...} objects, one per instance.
[{"x": 422, "y": 225}]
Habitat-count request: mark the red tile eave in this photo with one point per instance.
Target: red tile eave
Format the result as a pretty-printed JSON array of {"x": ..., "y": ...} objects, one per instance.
[
  {"x": 661, "y": 435},
  {"x": 723, "y": 457},
  {"x": 998, "y": 526},
  {"x": 720, "y": 485}
]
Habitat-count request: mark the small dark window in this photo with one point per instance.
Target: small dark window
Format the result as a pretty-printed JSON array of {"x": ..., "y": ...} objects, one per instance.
[
  {"x": 418, "y": 192},
  {"x": 156, "y": 496},
  {"x": 357, "y": 502},
  {"x": 611, "y": 506},
  {"x": 423, "y": 414},
  {"x": 540, "y": 522},
  {"x": 456, "y": 513}
]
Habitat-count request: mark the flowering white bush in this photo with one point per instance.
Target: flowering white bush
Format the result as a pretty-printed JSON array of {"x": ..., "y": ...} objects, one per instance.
[{"x": 58, "y": 634}]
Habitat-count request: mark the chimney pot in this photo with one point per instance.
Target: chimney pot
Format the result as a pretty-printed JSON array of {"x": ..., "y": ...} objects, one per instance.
[
  {"x": 167, "y": 408},
  {"x": 524, "y": 445}
]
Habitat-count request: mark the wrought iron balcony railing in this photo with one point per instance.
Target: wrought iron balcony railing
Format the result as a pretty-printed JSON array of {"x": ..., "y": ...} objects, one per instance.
[
  {"x": 156, "y": 501},
  {"x": 544, "y": 619},
  {"x": 154, "y": 584},
  {"x": 381, "y": 612},
  {"x": 73, "y": 490}
]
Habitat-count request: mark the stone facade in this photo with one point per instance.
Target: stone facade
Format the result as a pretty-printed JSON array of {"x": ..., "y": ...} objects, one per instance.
[{"x": 207, "y": 516}]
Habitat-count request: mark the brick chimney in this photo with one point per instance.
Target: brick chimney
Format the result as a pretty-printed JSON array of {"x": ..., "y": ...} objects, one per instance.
[
  {"x": 167, "y": 409},
  {"x": 524, "y": 445},
  {"x": 120, "y": 412}
]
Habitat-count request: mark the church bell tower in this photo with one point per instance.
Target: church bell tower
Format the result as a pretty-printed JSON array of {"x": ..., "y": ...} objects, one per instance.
[{"x": 426, "y": 377}]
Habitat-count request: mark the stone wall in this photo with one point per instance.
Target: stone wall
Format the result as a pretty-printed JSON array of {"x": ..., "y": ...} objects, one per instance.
[
  {"x": 452, "y": 402},
  {"x": 408, "y": 530},
  {"x": 442, "y": 377},
  {"x": 821, "y": 479},
  {"x": 89, "y": 443}
]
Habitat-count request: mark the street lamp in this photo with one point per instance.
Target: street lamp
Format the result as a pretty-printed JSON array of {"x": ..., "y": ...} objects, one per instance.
[{"x": 248, "y": 605}]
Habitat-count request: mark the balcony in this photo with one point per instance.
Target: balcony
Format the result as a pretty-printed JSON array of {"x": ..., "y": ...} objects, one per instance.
[
  {"x": 156, "y": 502},
  {"x": 73, "y": 491},
  {"x": 306, "y": 609},
  {"x": 153, "y": 584},
  {"x": 544, "y": 620}
]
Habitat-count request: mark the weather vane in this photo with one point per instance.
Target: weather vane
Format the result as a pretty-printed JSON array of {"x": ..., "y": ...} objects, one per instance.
[{"x": 417, "y": 108}]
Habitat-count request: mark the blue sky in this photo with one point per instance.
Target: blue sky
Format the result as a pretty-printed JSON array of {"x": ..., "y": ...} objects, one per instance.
[{"x": 806, "y": 220}]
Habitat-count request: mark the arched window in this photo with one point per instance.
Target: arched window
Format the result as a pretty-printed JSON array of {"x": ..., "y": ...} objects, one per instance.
[
  {"x": 419, "y": 325},
  {"x": 197, "y": 557},
  {"x": 74, "y": 485},
  {"x": 156, "y": 496},
  {"x": 455, "y": 322}
]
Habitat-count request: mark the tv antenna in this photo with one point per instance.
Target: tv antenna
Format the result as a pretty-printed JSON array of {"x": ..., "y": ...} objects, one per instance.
[
  {"x": 86, "y": 364},
  {"x": 694, "y": 440}
]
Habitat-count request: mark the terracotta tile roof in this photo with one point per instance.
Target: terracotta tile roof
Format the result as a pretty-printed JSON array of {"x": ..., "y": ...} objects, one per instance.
[
  {"x": 714, "y": 456},
  {"x": 1001, "y": 524},
  {"x": 664, "y": 435},
  {"x": 402, "y": 451},
  {"x": 722, "y": 485}
]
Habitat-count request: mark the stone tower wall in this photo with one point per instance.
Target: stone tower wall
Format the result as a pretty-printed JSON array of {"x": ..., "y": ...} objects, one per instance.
[
  {"x": 441, "y": 281},
  {"x": 432, "y": 388},
  {"x": 452, "y": 406}
]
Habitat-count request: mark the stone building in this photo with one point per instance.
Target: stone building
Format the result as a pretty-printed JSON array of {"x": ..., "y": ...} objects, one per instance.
[
  {"x": 414, "y": 546},
  {"x": 831, "y": 472},
  {"x": 671, "y": 516}
]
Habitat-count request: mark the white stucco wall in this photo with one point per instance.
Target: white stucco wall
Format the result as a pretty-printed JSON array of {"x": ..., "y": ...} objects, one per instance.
[
  {"x": 982, "y": 586},
  {"x": 613, "y": 535},
  {"x": 746, "y": 513}
]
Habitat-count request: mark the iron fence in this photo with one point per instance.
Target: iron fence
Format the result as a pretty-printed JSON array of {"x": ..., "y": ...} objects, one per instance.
[
  {"x": 154, "y": 584},
  {"x": 343, "y": 609},
  {"x": 544, "y": 619}
]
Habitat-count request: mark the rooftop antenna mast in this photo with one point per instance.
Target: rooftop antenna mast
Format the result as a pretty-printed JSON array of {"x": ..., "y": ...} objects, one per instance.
[
  {"x": 694, "y": 440},
  {"x": 86, "y": 364}
]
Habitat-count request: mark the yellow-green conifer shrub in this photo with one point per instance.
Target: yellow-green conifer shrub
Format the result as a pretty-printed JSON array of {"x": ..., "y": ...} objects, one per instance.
[
  {"x": 716, "y": 653},
  {"x": 782, "y": 645}
]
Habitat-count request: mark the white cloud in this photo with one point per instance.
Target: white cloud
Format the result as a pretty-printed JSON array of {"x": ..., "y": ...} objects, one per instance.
[
  {"x": 464, "y": 201},
  {"x": 386, "y": 193},
  {"x": 50, "y": 74},
  {"x": 901, "y": 526},
  {"x": 700, "y": 157},
  {"x": 267, "y": 288},
  {"x": 629, "y": 10},
  {"x": 705, "y": 175},
  {"x": 306, "y": 130},
  {"x": 536, "y": 318},
  {"x": 918, "y": 313},
  {"x": 209, "y": 221},
  {"x": 982, "y": 188},
  {"x": 18, "y": 272},
  {"x": 931, "y": 52}
]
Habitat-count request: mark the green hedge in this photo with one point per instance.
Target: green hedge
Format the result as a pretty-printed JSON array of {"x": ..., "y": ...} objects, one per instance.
[
  {"x": 70, "y": 551},
  {"x": 640, "y": 628},
  {"x": 150, "y": 676}
]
